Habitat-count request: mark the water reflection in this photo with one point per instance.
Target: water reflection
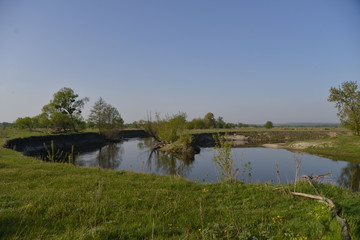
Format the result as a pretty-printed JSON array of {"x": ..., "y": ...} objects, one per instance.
[
  {"x": 109, "y": 156},
  {"x": 350, "y": 177},
  {"x": 146, "y": 143},
  {"x": 169, "y": 165},
  {"x": 138, "y": 155}
]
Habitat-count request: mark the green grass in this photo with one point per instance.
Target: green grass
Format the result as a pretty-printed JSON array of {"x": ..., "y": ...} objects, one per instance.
[
  {"x": 59, "y": 201},
  {"x": 41, "y": 200}
]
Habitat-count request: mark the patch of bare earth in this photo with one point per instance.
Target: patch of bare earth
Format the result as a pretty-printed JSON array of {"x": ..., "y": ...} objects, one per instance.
[{"x": 304, "y": 145}]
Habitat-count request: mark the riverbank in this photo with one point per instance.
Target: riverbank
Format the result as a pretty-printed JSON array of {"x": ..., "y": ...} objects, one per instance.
[
  {"x": 28, "y": 144},
  {"x": 62, "y": 201},
  {"x": 33, "y": 144},
  {"x": 337, "y": 148},
  {"x": 334, "y": 143},
  {"x": 204, "y": 138}
]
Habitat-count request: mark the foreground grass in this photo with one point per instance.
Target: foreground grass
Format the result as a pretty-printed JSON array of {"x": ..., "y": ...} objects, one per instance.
[{"x": 40, "y": 200}]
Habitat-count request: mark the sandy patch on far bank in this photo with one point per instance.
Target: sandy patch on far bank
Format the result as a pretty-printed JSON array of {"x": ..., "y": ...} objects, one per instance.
[
  {"x": 304, "y": 145},
  {"x": 273, "y": 145}
]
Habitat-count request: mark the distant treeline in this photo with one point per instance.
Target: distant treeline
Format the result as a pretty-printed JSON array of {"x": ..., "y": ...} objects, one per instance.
[
  {"x": 5, "y": 124},
  {"x": 207, "y": 122},
  {"x": 64, "y": 114}
]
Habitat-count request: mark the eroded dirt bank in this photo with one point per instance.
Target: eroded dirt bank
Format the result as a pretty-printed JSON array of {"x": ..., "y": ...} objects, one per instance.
[
  {"x": 31, "y": 145},
  {"x": 81, "y": 141}
]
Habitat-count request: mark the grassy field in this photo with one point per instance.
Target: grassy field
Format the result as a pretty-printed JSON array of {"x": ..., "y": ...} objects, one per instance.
[{"x": 40, "y": 200}]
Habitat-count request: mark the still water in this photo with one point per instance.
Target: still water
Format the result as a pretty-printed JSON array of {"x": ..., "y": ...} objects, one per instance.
[{"x": 256, "y": 164}]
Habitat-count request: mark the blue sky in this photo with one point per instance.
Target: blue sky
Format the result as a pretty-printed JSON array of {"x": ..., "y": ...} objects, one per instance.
[{"x": 246, "y": 60}]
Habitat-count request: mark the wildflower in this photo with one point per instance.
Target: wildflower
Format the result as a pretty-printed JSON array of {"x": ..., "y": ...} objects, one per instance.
[{"x": 28, "y": 206}]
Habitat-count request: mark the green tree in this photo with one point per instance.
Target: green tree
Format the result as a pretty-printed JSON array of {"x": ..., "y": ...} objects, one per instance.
[
  {"x": 26, "y": 122},
  {"x": 347, "y": 101},
  {"x": 42, "y": 121},
  {"x": 196, "y": 123},
  {"x": 106, "y": 118},
  {"x": 172, "y": 128},
  {"x": 64, "y": 110},
  {"x": 166, "y": 130},
  {"x": 268, "y": 125},
  {"x": 97, "y": 114},
  {"x": 220, "y": 122},
  {"x": 209, "y": 120}
]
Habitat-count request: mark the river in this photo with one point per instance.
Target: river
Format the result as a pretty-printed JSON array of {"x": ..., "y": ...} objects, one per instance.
[{"x": 255, "y": 164}]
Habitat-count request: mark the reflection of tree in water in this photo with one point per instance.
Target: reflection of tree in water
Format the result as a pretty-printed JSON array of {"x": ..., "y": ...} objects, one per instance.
[
  {"x": 165, "y": 163},
  {"x": 146, "y": 143},
  {"x": 350, "y": 177},
  {"x": 110, "y": 156},
  {"x": 169, "y": 164}
]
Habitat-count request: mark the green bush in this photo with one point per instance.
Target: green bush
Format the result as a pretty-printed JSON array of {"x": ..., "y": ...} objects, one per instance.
[
  {"x": 167, "y": 130},
  {"x": 268, "y": 125}
]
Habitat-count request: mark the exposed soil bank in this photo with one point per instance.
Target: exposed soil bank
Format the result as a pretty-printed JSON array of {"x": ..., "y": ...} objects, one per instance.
[
  {"x": 133, "y": 134},
  {"x": 81, "y": 141},
  {"x": 31, "y": 145}
]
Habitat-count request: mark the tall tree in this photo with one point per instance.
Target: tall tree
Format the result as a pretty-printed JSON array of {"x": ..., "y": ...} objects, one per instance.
[
  {"x": 64, "y": 110},
  {"x": 96, "y": 116},
  {"x": 268, "y": 125},
  {"x": 209, "y": 120},
  {"x": 347, "y": 101},
  {"x": 220, "y": 123},
  {"x": 106, "y": 118}
]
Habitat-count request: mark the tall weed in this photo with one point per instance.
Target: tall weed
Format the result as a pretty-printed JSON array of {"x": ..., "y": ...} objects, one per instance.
[
  {"x": 58, "y": 155},
  {"x": 224, "y": 162}
]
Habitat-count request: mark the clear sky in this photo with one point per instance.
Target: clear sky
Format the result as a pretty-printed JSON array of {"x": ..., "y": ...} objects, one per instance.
[{"x": 245, "y": 60}]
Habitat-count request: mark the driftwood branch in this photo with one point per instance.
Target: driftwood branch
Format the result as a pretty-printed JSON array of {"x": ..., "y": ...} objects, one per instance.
[
  {"x": 334, "y": 210},
  {"x": 325, "y": 200}
]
